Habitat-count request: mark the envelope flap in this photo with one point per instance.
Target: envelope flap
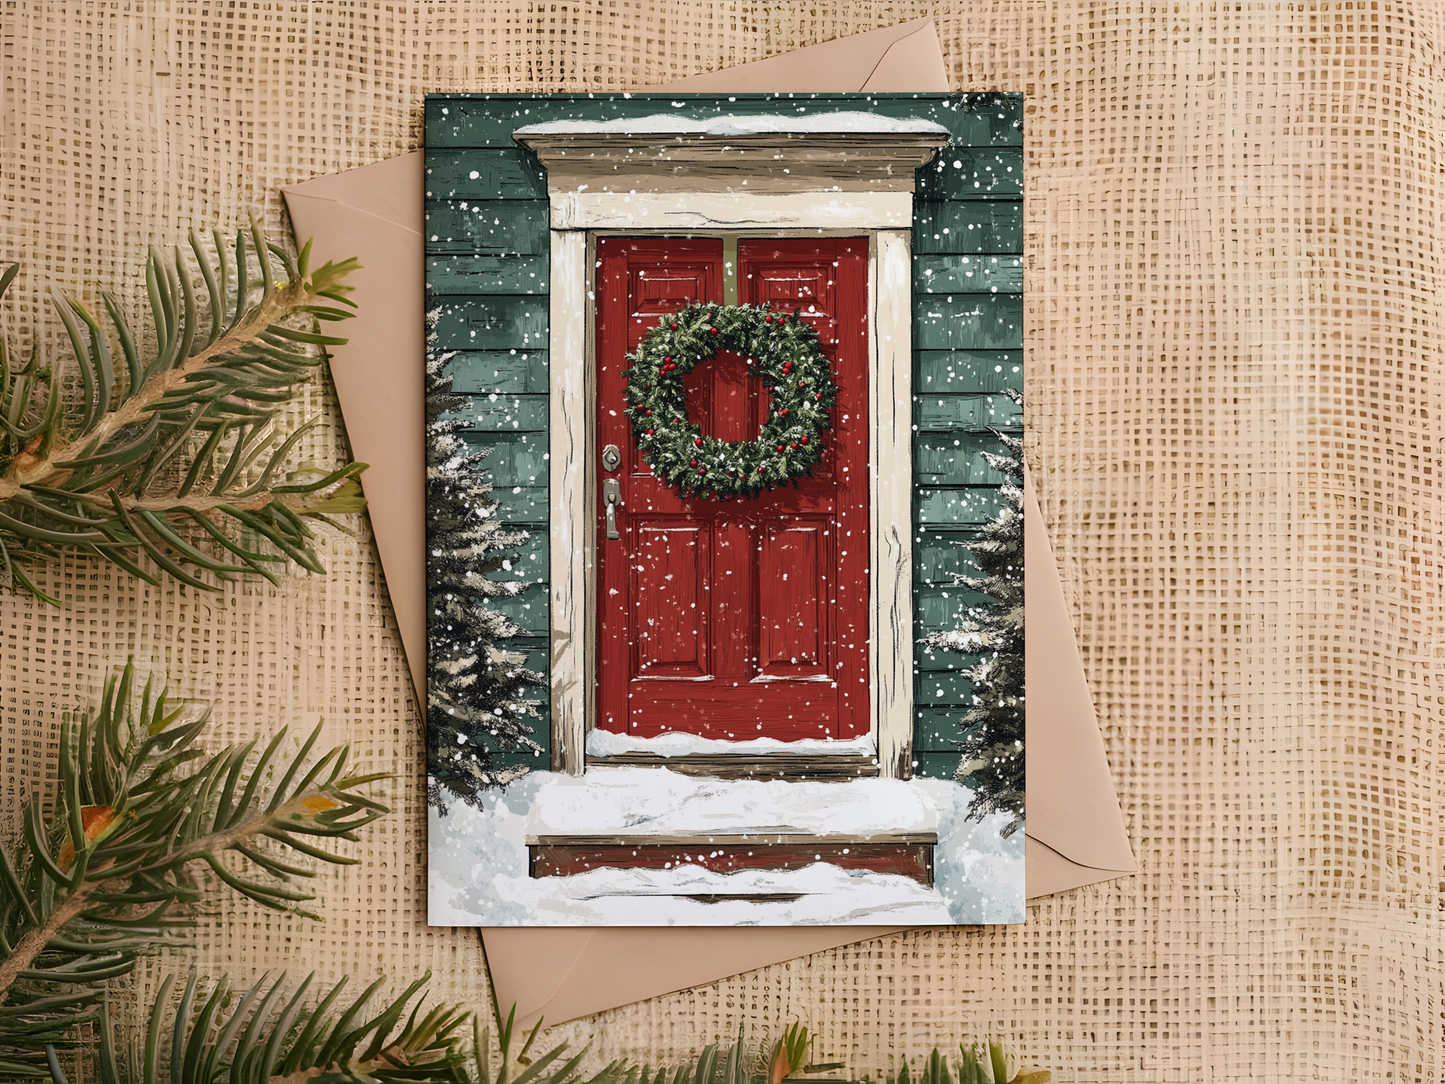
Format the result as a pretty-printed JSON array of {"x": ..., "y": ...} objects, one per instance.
[
  {"x": 1072, "y": 806},
  {"x": 906, "y": 55},
  {"x": 391, "y": 190}
]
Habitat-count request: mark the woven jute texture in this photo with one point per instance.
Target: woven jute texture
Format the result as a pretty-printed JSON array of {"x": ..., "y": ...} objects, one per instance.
[{"x": 1233, "y": 391}]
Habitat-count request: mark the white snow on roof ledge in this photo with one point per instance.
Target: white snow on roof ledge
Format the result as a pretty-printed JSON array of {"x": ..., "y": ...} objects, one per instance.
[{"x": 842, "y": 123}]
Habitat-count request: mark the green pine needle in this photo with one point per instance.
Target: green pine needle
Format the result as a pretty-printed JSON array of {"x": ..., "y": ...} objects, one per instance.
[
  {"x": 174, "y": 455},
  {"x": 141, "y": 810}
]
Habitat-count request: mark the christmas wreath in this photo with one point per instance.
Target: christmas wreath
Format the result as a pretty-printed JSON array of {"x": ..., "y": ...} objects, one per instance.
[{"x": 782, "y": 349}]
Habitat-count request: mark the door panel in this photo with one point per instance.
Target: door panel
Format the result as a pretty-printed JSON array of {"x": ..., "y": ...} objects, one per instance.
[
  {"x": 744, "y": 618},
  {"x": 793, "y": 572},
  {"x": 668, "y": 586}
]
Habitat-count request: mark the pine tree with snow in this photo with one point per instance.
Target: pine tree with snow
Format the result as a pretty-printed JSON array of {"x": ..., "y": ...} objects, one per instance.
[
  {"x": 477, "y": 705},
  {"x": 993, "y": 742}
]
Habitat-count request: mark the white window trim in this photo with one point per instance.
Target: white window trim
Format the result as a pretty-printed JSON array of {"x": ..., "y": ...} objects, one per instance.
[{"x": 885, "y": 217}]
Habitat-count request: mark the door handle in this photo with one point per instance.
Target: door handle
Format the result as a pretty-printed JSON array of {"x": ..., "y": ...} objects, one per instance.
[{"x": 611, "y": 498}]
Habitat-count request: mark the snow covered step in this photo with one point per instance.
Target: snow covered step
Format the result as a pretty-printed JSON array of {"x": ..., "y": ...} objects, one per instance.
[
  {"x": 658, "y": 819},
  {"x": 479, "y": 856},
  {"x": 901, "y": 854}
]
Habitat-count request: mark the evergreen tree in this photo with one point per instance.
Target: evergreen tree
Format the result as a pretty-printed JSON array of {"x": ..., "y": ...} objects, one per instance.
[
  {"x": 476, "y": 692},
  {"x": 993, "y": 742}
]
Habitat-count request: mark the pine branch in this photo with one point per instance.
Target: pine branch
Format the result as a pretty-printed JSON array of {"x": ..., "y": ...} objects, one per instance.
[
  {"x": 264, "y": 1037},
  {"x": 139, "y": 811},
  {"x": 177, "y": 456}
]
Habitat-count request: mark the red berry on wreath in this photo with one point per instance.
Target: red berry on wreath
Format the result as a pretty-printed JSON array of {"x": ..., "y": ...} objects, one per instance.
[
  {"x": 674, "y": 327},
  {"x": 649, "y": 432},
  {"x": 780, "y": 448},
  {"x": 667, "y": 361},
  {"x": 817, "y": 396},
  {"x": 804, "y": 440},
  {"x": 702, "y": 470},
  {"x": 768, "y": 320},
  {"x": 802, "y": 383},
  {"x": 697, "y": 441},
  {"x": 693, "y": 463},
  {"x": 794, "y": 446},
  {"x": 783, "y": 413},
  {"x": 713, "y": 331}
]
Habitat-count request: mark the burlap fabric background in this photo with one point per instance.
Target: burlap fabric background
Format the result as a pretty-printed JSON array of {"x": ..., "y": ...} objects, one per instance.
[{"x": 1234, "y": 392}]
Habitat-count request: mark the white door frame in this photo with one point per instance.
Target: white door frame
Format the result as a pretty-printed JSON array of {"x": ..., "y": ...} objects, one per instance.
[{"x": 885, "y": 218}]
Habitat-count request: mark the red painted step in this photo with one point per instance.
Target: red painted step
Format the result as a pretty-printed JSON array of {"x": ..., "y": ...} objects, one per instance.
[{"x": 907, "y": 855}]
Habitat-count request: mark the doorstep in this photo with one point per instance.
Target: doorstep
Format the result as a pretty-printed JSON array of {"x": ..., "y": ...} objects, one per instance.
[
  {"x": 659, "y": 818},
  {"x": 904, "y": 854}
]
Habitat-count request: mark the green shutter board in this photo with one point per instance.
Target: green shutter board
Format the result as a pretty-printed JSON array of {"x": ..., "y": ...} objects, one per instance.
[
  {"x": 991, "y": 121},
  {"x": 945, "y": 688},
  {"x": 972, "y": 172},
  {"x": 943, "y": 459},
  {"x": 536, "y": 655},
  {"x": 968, "y": 274},
  {"x": 966, "y": 227},
  {"x": 943, "y": 608},
  {"x": 939, "y": 556},
  {"x": 931, "y": 765},
  {"x": 937, "y": 726},
  {"x": 969, "y": 322},
  {"x": 516, "y": 459},
  {"x": 963, "y": 372},
  {"x": 949, "y": 413},
  {"x": 501, "y": 371},
  {"x": 501, "y": 322},
  {"x": 470, "y": 275},
  {"x": 522, "y": 505},
  {"x": 487, "y": 227},
  {"x": 506, "y": 413},
  {"x": 528, "y": 609},
  {"x": 962, "y": 507},
  {"x": 486, "y": 175}
]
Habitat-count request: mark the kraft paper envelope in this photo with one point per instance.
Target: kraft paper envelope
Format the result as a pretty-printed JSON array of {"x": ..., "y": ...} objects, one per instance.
[{"x": 1074, "y": 836}]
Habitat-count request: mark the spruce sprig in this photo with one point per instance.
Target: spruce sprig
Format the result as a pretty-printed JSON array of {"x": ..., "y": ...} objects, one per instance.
[
  {"x": 168, "y": 443},
  {"x": 140, "y": 812},
  {"x": 259, "y": 1035}
]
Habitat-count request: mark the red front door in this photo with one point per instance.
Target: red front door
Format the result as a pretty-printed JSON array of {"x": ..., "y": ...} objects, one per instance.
[{"x": 746, "y": 618}]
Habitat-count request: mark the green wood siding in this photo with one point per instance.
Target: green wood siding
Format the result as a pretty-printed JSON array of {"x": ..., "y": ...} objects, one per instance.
[{"x": 487, "y": 269}]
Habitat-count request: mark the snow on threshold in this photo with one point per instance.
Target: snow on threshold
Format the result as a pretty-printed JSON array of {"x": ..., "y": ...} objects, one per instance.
[
  {"x": 655, "y": 801},
  {"x": 670, "y": 124},
  {"x": 605, "y": 743}
]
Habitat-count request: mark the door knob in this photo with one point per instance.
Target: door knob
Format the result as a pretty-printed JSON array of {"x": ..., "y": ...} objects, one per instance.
[
  {"x": 611, "y": 458},
  {"x": 611, "y": 498}
]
